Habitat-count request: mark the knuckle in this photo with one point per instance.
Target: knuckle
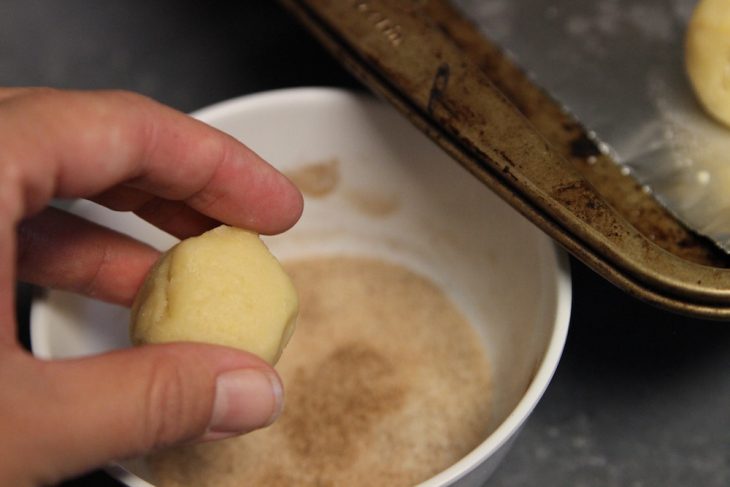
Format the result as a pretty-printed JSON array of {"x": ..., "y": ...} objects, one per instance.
[
  {"x": 169, "y": 407},
  {"x": 207, "y": 195},
  {"x": 92, "y": 284}
]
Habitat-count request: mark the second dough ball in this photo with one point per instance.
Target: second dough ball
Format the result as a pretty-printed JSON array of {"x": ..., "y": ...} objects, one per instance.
[
  {"x": 707, "y": 56},
  {"x": 223, "y": 287}
]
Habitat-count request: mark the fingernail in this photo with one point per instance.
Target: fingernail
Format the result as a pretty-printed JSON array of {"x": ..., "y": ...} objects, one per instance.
[{"x": 245, "y": 400}]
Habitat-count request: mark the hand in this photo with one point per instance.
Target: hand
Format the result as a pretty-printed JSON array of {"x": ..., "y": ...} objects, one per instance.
[{"x": 128, "y": 153}]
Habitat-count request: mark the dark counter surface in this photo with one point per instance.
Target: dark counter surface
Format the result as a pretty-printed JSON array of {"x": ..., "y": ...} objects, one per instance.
[{"x": 641, "y": 397}]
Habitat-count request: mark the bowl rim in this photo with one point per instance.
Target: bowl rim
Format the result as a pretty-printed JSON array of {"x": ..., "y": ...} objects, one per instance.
[{"x": 511, "y": 425}]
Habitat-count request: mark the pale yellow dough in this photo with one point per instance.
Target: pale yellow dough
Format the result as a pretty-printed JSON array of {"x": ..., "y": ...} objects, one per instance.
[
  {"x": 707, "y": 56},
  {"x": 223, "y": 287}
]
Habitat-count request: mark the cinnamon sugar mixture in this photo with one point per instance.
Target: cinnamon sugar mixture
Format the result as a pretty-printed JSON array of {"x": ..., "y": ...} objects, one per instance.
[{"x": 386, "y": 384}]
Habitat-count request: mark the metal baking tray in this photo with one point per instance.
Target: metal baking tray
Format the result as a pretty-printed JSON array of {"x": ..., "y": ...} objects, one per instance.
[{"x": 458, "y": 87}]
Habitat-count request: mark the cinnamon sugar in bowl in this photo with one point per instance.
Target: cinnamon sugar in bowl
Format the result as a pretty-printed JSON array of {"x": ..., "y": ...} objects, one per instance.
[{"x": 432, "y": 315}]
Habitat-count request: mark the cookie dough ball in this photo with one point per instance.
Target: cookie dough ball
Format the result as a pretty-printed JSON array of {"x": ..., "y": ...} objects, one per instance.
[
  {"x": 223, "y": 287},
  {"x": 707, "y": 56}
]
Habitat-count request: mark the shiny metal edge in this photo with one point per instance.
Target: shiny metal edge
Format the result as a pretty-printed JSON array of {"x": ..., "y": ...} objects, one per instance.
[{"x": 399, "y": 52}]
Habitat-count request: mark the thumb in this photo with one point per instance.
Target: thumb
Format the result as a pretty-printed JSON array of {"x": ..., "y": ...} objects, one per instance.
[{"x": 129, "y": 402}]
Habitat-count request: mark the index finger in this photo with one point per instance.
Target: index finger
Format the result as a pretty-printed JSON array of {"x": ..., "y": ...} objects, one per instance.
[{"x": 79, "y": 144}]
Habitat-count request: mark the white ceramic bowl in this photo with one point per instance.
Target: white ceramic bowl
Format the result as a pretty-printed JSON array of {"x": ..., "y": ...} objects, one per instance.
[{"x": 505, "y": 275}]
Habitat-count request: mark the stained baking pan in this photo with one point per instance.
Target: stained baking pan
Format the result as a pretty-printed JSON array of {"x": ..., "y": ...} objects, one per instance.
[{"x": 458, "y": 87}]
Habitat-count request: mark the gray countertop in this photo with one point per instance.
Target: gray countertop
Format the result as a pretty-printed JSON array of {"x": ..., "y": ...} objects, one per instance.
[{"x": 641, "y": 397}]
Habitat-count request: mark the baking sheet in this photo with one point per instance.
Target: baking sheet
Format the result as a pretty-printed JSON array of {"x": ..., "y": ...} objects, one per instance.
[{"x": 618, "y": 66}]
